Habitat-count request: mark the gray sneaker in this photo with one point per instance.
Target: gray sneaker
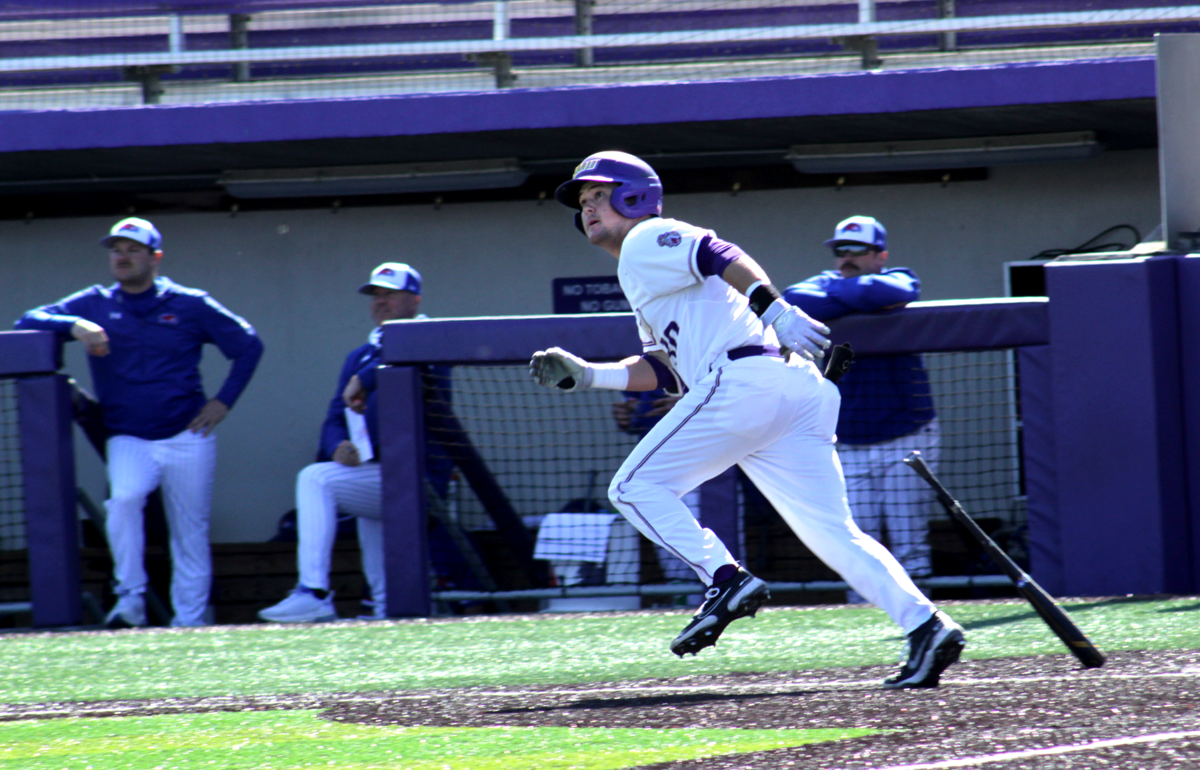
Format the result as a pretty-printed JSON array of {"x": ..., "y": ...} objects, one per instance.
[
  {"x": 129, "y": 612},
  {"x": 931, "y": 649},
  {"x": 302, "y": 605}
]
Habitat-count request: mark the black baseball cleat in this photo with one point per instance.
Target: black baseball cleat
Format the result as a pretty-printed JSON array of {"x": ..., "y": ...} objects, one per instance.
[
  {"x": 932, "y": 648},
  {"x": 724, "y": 602}
]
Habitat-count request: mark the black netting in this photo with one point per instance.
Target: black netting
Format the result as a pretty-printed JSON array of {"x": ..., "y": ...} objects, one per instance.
[
  {"x": 502, "y": 449},
  {"x": 12, "y": 498}
]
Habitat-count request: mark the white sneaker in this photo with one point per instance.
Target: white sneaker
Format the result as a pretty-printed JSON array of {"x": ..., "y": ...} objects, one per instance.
[
  {"x": 129, "y": 612},
  {"x": 302, "y": 605}
]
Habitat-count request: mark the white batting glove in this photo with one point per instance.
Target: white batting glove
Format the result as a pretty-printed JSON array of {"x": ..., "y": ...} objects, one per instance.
[
  {"x": 558, "y": 369},
  {"x": 797, "y": 330}
]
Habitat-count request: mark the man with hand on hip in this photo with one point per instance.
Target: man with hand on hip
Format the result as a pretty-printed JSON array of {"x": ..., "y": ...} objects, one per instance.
[{"x": 144, "y": 336}]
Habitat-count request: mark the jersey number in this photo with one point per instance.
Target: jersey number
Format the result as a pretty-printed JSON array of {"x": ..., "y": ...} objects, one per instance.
[{"x": 668, "y": 339}]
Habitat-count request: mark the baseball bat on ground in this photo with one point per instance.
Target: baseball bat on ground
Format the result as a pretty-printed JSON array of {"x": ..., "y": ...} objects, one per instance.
[{"x": 1055, "y": 616}]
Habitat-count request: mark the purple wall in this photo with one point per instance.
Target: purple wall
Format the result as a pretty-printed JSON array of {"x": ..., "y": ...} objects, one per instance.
[
  {"x": 1189, "y": 357},
  {"x": 1119, "y": 441},
  {"x": 853, "y": 93}
]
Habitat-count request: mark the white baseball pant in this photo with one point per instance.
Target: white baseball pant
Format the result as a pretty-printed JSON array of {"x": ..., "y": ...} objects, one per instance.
[
  {"x": 183, "y": 465},
  {"x": 775, "y": 420},
  {"x": 323, "y": 489},
  {"x": 884, "y": 492},
  {"x": 675, "y": 569}
]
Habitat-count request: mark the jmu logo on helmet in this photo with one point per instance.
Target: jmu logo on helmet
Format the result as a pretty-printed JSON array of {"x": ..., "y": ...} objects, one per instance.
[
  {"x": 587, "y": 165},
  {"x": 670, "y": 240}
]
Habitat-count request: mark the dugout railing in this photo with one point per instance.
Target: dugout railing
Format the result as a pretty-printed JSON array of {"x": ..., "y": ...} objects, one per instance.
[
  {"x": 38, "y": 467},
  {"x": 411, "y": 348}
]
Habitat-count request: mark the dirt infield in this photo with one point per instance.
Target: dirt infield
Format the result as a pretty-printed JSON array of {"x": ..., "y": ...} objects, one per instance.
[{"x": 1142, "y": 710}]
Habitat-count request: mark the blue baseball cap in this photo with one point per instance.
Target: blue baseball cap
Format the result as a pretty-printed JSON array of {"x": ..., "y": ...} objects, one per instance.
[
  {"x": 862, "y": 230},
  {"x": 393, "y": 275},
  {"x": 135, "y": 230}
]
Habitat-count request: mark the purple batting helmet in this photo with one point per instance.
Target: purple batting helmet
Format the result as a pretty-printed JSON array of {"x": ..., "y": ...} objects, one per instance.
[{"x": 640, "y": 191}]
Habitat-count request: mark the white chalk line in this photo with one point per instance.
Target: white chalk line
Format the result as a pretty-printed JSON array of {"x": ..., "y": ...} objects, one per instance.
[{"x": 1053, "y": 751}]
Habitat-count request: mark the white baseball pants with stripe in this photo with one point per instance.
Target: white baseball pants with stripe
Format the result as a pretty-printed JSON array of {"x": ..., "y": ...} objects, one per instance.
[
  {"x": 776, "y": 420},
  {"x": 323, "y": 489},
  {"x": 183, "y": 465},
  {"x": 884, "y": 492}
]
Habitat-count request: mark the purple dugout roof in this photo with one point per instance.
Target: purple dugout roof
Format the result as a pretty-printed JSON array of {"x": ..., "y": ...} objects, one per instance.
[{"x": 857, "y": 93}]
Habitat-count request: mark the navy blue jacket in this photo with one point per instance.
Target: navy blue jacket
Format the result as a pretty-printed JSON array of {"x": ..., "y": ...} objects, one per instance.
[
  {"x": 365, "y": 361},
  {"x": 149, "y": 384},
  {"x": 883, "y": 397}
]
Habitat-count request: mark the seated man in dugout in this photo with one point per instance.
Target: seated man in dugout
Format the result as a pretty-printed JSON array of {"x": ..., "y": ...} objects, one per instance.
[{"x": 346, "y": 476}]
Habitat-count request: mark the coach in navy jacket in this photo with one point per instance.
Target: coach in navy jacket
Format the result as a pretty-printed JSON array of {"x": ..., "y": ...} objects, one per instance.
[
  {"x": 345, "y": 479},
  {"x": 144, "y": 336},
  {"x": 887, "y": 408}
]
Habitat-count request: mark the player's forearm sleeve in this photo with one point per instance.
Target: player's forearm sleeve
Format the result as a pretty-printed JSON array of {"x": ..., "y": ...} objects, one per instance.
[
  {"x": 872, "y": 292},
  {"x": 713, "y": 255},
  {"x": 667, "y": 379}
]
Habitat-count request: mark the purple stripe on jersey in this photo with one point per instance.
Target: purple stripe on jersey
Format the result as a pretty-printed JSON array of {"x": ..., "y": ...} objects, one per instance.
[
  {"x": 666, "y": 380},
  {"x": 714, "y": 255}
]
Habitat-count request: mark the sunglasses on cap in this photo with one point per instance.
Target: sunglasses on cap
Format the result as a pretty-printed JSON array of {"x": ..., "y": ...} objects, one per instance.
[{"x": 852, "y": 251}]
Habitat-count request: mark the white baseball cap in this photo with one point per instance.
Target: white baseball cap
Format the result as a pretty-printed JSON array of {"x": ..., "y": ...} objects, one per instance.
[
  {"x": 135, "y": 230},
  {"x": 864, "y": 230},
  {"x": 393, "y": 275}
]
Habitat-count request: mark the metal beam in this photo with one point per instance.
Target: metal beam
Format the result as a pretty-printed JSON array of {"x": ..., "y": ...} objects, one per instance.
[
  {"x": 1178, "y": 150},
  {"x": 574, "y": 42}
]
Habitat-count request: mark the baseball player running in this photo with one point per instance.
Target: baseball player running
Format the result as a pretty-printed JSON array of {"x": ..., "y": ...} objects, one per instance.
[
  {"x": 711, "y": 326},
  {"x": 144, "y": 336}
]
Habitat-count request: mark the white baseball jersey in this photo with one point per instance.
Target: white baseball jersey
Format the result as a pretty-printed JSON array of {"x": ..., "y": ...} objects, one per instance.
[{"x": 693, "y": 319}]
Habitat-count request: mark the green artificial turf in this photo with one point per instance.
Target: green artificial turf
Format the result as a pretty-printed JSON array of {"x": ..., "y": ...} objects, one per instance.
[
  {"x": 275, "y": 740},
  {"x": 526, "y": 649}
]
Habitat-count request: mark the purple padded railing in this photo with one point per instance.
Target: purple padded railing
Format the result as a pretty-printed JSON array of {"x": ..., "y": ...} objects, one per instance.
[
  {"x": 48, "y": 474},
  {"x": 930, "y": 326}
]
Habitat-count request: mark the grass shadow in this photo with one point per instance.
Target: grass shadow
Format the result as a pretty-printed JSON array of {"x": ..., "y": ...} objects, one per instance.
[
  {"x": 1188, "y": 608},
  {"x": 1003, "y": 620}
]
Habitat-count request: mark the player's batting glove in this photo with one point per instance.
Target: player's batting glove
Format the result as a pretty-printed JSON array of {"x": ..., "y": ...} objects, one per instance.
[
  {"x": 796, "y": 330},
  {"x": 558, "y": 369}
]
